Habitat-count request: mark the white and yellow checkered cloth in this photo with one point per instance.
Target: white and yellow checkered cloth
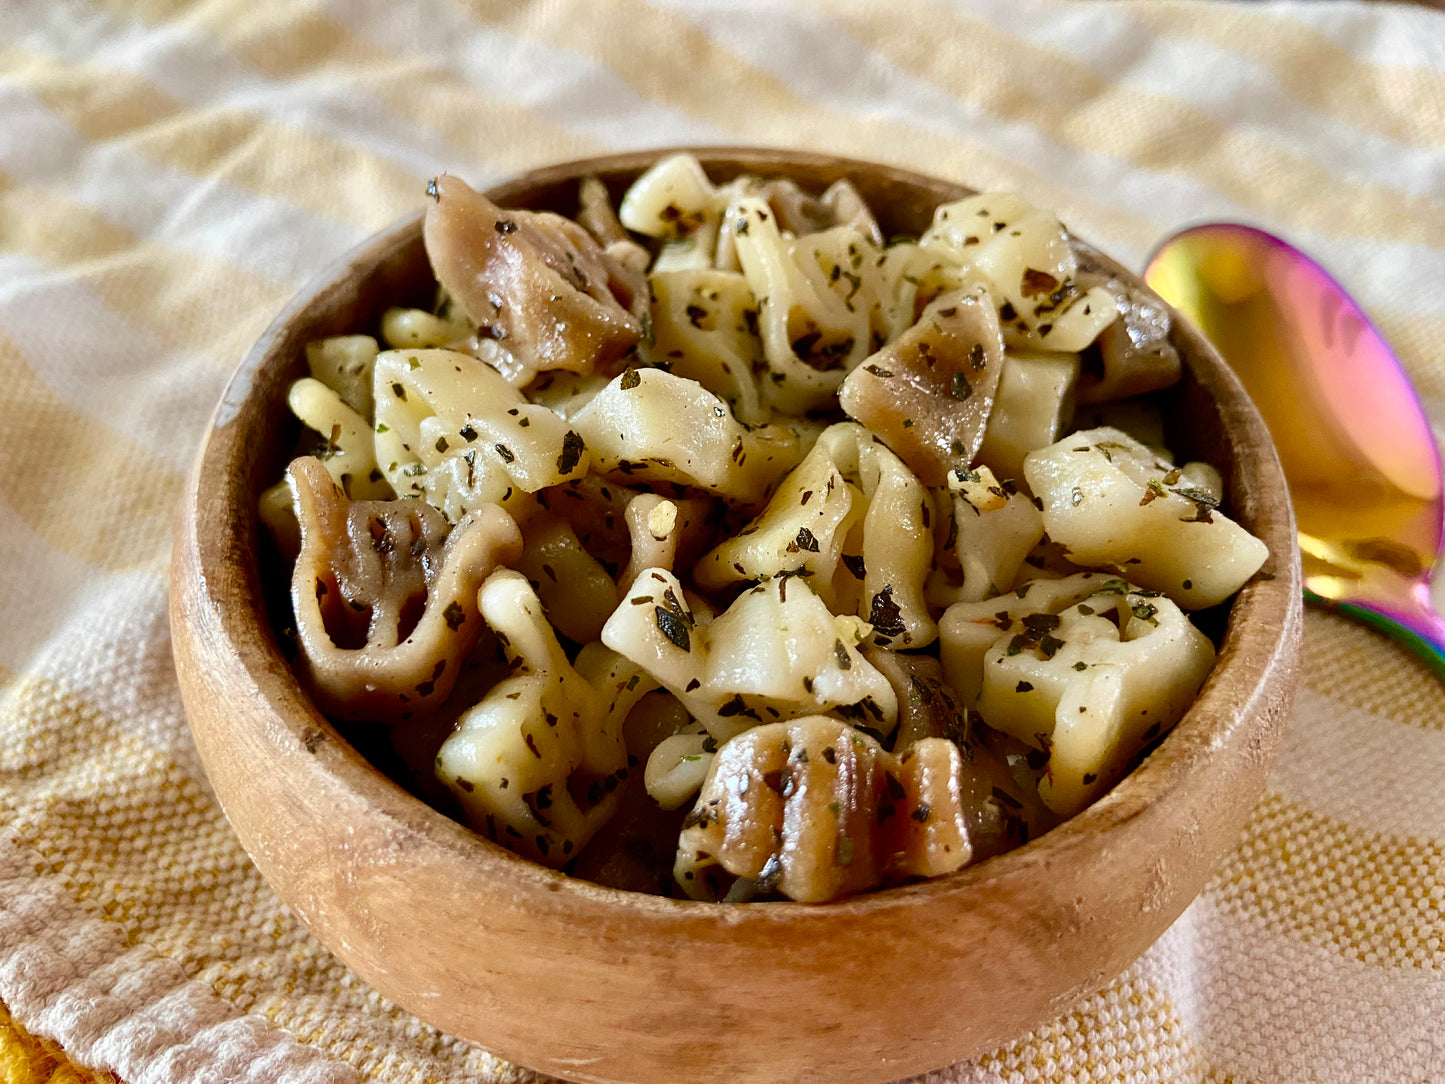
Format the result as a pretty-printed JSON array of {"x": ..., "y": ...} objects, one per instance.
[{"x": 170, "y": 173}]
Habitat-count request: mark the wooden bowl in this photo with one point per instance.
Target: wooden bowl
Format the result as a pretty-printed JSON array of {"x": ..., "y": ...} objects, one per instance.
[{"x": 595, "y": 984}]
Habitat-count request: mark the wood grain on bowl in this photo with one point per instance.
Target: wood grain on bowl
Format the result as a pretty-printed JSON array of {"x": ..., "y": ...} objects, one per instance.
[{"x": 595, "y": 984}]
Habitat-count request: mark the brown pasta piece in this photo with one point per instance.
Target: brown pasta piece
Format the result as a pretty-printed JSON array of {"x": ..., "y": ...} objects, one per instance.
[
  {"x": 385, "y": 599},
  {"x": 1134, "y": 353},
  {"x": 817, "y": 810},
  {"x": 536, "y": 281},
  {"x": 928, "y": 394},
  {"x": 1001, "y": 813},
  {"x": 596, "y": 215}
]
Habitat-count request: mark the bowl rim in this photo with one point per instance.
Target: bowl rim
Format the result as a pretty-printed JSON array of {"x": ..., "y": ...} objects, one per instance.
[{"x": 1257, "y": 615}]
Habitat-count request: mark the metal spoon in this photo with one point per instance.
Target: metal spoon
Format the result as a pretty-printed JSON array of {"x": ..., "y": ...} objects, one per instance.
[{"x": 1362, "y": 464}]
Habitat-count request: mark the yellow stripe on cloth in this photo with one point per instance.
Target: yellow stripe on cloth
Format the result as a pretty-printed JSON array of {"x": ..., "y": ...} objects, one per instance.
[
  {"x": 1128, "y": 1025},
  {"x": 1055, "y": 93},
  {"x": 167, "y": 292},
  {"x": 311, "y": 170},
  {"x": 292, "y": 43},
  {"x": 24, "y": 1059},
  {"x": 1394, "y": 685},
  {"x": 1372, "y": 897},
  {"x": 88, "y": 490},
  {"x": 1313, "y": 68}
]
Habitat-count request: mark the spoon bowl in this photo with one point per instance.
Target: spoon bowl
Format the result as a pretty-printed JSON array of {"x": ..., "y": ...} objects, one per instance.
[{"x": 1361, "y": 461}]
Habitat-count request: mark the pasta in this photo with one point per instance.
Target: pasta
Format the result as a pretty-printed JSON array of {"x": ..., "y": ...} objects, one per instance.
[{"x": 713, "y": 545}]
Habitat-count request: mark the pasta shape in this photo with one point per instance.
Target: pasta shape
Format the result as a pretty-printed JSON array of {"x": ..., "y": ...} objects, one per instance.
[
  {"x": 453, "y": 431},
  {"x": 810, "y": 335},
  {"x": 928, "y": 394},
  {"x": 1024, "y": 256},
  {"x": 1000, "y": 811},
  {"x": 537, "y": 763},
  {"x": 343, "y": 363},
  {"x": 536, "y": 281},
  {"x": 384, "y": 597},
  {"x": 1135, "y": 354},
  {"x": 776, "y": 653},
  {"x": 653, "y": 426},
  {"x": 1031, "y": 408},
  {"x": 816, "y": 810},
  {"x": 995, "y": 527},
  {"x": 1109, "y": 501},
  {"x": 704, "y": 324},
  {"x": 574, "y": 587},
  {"x": 853, "y": 520},
  {"x": 418, "y": 329},
  {"x": 347, "y": 448},
  {"x": 968, "y": 629},
  {"x": 675, "y": 202},
  {"x": 1092, "y": 684}
]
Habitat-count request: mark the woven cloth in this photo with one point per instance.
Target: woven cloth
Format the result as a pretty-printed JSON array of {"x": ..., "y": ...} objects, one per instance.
[{"x": 171, "y": 173}]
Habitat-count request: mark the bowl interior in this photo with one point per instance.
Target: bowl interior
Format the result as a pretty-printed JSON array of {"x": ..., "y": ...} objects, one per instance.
[{"x": 634, "y": 987}]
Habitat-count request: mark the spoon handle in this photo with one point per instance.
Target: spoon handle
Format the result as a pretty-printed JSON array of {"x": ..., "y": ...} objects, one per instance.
[{"x": 1409, "y": 619}]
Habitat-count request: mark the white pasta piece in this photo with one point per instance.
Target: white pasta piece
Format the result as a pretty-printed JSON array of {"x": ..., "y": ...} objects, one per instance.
[
  {"x": 577, "y": 591},
  {"x": 537, "y": 763},
  {"x": 849, "y": 208},
  {"x": 855, "y": 521},
  {"x": 816, "y": 810},
  {"x": 897, "y": 543},
  {"x": 812, "y": 516},
  {"x": 675, "y": 202},
  {"x": 891, "y": 286},
  {"x": 1032, "y": 406},
  {"x": 564, "y": 393},
  {"x": 675, "y": 750},
  {"x": 919, "y": 275},
  {"x": 677, "y": 766},
  {"x": 347, "y": 450},
  {"x": 455, "y": 432},
  {"x": 810, "y": 336},
  {"x": 654, "y": 528},
  {"x": 414, "y": 328},
  {"x": 778, "y": 649},
  {"x": 1109, "y": 501},
  {"x": 651, "y": 425},
  {"x": 343, "y": 364},
  {"x": 1092, "y": 685},
  {"x": 849, "y": 263},
  {"x": 704, "y": 324},
  {"x": 968, "y": 629},
  {"x": 1024, "y": 255},
  {"x": 776, "y": 653},
  {"x": 994, "y": 529}
]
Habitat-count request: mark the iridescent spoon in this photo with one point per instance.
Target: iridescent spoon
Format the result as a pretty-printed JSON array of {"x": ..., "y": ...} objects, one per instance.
[{"x": 1362, "y": 464}]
